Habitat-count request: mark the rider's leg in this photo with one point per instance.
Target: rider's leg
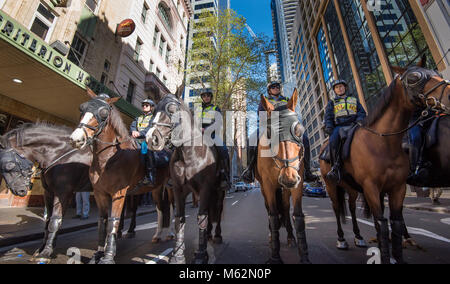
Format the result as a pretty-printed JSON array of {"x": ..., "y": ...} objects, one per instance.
[
  {"x": 334, "y": 174},
  {"x": 225, "y": 164},
  {"x": 309, "y": 177},
  {"x": 150, "y": 168},
  {"x": 416, "y": 142},
  {"x": 249, "y": 173}
]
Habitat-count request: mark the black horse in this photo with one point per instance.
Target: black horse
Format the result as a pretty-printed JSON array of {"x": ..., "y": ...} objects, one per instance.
[
  {"x": 193, "y": 168},
  {"x": 63, "y": 172}
]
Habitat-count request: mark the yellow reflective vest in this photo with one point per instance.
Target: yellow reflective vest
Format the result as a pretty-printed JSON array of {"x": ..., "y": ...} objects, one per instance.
[{"x": 345, "y": 106}]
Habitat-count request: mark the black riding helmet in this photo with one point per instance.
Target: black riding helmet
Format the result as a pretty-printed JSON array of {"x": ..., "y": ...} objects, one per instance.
[{"x": 339, "y": 82}]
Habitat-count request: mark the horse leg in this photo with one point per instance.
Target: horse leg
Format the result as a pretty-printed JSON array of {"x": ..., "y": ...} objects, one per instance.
[
  {"x": 397, "y": 223},
  {"x": 218, "y": 231},
  {"x": 43, "y": 254},
  {"x": 134, "y": 207},
  {"x": 274, "y": 226},
  {"x": 103, "y": 202},
  {"x": 286, "y": 207},
  {"x": 300, "y": 226},
  {"x": 122, "y": 217},
  {"x": 209, "y": 231},
  {"x": 372, "y": 195},
  {"x": 337, "y": 208},
  {"x": 359, "y": 240},
  {"x": 201, "y": 255},
  {"x": 180, "y": 223},
  {"x": 157, "y": 198},
  {"x": 118, "y": 199}
]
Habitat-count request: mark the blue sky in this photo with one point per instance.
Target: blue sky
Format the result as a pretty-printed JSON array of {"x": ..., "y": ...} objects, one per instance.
[{"x": 257, "y": 13}]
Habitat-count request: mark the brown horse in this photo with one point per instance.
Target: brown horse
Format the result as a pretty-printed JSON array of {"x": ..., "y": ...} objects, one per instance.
[
  {"x": 377, "y": 164},
  {"x": 280, "y": 174},
  {"x": 116, "y": 168},
  {"x": 193, "y": 169}
]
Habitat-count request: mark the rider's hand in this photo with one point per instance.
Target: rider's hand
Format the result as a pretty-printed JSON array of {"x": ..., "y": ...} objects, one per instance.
[{"x": 135, "y": 134}]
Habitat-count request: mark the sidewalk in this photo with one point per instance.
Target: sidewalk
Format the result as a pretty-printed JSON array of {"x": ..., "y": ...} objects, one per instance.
[
  {"x": 19, "y": 225},
  {"x": 425, "y": 204}
]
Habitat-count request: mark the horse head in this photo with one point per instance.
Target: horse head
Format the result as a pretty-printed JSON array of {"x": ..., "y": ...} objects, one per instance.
[
  {"x": 290, "y": 131},
  {"x": 94, "y": 118},
  {"x": 168, "y": 115},
  {"x": 425, "y": 88},
  {"x": 17, "y": 171}
]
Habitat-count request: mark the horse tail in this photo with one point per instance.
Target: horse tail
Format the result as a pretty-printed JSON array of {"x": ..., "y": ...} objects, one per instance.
[
  {"x": 340, "y": 191},
  {"x": 165, "y": 208},
  {"x": 279, "y": 193}
]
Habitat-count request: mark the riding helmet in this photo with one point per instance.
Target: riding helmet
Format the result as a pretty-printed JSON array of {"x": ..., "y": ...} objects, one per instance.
[
  {"x": 338, "y": 82},
  {"x": 148, "y": 101}
]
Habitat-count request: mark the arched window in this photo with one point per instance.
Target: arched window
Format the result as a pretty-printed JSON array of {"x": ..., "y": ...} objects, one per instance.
[{"x": 164, "y": 12}]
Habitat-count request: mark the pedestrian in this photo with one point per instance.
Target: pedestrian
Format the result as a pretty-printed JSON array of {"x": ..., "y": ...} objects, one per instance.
[
  {"x": 435, "y": 194},
  {"x": 83, "y": 205}
]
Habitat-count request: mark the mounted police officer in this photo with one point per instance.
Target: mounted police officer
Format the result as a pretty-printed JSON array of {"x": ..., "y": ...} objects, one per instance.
[
  {"x": 275, "y": 97},
  {"x": 343, "y": 110},
  {"x": 208, "y": 118},
  {"x": 139, "y": 128}
]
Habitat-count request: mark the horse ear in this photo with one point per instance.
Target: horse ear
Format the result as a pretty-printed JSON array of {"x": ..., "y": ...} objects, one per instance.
[
  {"x": 293, "y": 101},
  {"x": 423, "y": 62},
  {"x": 266, "y": 104},
  {"x": 180, "y": 90},
  {"x": 113, "y": 100},
  {"x": 398, "y": 70},
  {"x": 91, "y": 93}
]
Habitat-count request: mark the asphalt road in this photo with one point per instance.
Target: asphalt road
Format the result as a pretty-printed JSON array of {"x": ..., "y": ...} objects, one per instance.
[{"x": 245, "y": 234}]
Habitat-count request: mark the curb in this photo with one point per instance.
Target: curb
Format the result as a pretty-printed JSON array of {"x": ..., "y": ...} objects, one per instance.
[
  {"x": 441, "y": 210},
  {"x": 38, "y": 236}
]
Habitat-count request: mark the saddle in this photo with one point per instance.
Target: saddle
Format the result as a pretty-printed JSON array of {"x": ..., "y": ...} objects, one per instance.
[
  {"x": 431, "y": 137},
  {"x": 346, "y": 136}
]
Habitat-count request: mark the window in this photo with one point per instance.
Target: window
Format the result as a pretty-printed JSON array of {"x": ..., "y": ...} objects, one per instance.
[
  {"x": 144, "y": 12},
  {"x": 92, "y": 5},
  {"x": 130, "y": 92},
  {"x": 107, "y": 65},
  {"x": 164, "y": 12},
  {"x": 168, "y": 53},
  {"x": 77, "y": 51},
  {"x": 104, "y": 78},
  {"x": 152, "y": 65},
  {"x": 155, "y": 36},
  {"x": 161, "y": 46},
  {"x": 158, "y": 73},
  {"x": 165, "y": 80},
  {"x": 137, "y": 50},
  {"x": 43, "y": 23}
]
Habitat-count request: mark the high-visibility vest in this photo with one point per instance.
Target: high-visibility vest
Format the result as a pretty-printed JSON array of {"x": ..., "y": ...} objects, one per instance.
[
  {"x": 345, "y": 106},
  {"x": 143, "y": 121},
  {"x": 274, "y": 101},
  {"x": 208, "y": 114}
]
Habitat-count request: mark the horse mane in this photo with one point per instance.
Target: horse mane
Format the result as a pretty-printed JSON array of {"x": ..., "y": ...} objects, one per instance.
[
  {"x": 382, "y": 103},
  {"x": 118, "y": 125},
  {"x": 45, "y": 127}
]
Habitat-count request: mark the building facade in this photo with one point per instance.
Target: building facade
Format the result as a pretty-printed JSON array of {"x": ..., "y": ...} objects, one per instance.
[{"x": 350, "y": 40}]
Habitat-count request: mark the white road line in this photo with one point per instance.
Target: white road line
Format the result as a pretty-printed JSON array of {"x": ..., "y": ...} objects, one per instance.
[
  {"x": 446, "y": 221},
  {"x": 414, "y": 231},
  {"x": 234, "y": 203},
  {"x": 163, "y": 256}
]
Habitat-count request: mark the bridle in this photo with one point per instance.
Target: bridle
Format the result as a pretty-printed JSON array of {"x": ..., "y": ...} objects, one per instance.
[
  {"x": 415, "y": 91},
  {"x": 25, "y": 167}
]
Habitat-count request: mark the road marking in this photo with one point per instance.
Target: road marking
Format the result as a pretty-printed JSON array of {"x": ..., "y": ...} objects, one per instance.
[
  {"x": 155, "y": 258},
  {"x": 414, "y": 231},
  {"x": 234, "y": 203},
  {"x": 446, "y": 221}
]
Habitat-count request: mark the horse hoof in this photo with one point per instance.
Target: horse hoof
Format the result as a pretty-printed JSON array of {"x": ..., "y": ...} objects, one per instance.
[
  {"x": 274, "y": 261},
  {"x": 156, "y": 240},
  {"x": 209, "y": 237},
  {"x": 106, "y": 260},
  {"x": 177, "y": 260},
  {"x": 130, "y": 235},
  {"x": 40, "y": 260},
  {"x": 217, "y": 240},
  {"x": 342, "y": 245},
  {"x": 291, "y": 243},
  {"x": 361, "y": 243},
  {"x": 96, "y": 257}
]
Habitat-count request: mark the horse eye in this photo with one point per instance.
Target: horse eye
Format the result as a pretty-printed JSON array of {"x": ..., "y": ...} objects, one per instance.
[
  {"x": 10, "y": 166},
  {"x": 414, "y": 77},
  {"x": 172, "y": 108},
  {"x": 103, "y": 113},
  {"x": 298, "y": 130}
]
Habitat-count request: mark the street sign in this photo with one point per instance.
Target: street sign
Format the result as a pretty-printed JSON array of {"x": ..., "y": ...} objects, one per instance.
[{"x": 125, "y": 28}]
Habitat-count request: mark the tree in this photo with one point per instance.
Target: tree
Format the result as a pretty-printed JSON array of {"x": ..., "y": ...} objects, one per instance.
[{"x": 227, "y": 59}]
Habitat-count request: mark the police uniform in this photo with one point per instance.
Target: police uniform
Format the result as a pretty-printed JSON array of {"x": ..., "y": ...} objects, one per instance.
[
  {"x": 142, "y": 125},
  {"x": 340, "y": 112}
]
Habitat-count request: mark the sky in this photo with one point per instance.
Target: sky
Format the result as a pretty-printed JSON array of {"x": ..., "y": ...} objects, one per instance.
[{"x": 257, "y": 13}]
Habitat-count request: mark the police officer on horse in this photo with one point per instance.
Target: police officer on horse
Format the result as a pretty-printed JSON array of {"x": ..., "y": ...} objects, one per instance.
[
  {"x": 343, "y": 110},
  {"x": 276, "y": 98},
  {"x": 208, "y": 118},
  {"x": 139, "y": 128}
]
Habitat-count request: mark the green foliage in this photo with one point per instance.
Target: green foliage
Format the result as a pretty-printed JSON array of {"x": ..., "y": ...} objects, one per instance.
[{"x": 227, "y": 59}]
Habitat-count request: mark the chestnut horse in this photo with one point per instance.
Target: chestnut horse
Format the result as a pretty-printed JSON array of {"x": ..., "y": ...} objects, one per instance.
[
  {"x": 377, "y": 164},
  {"x": 193, "y": 169},
  {"x": 116, "y": 168},
  {"x": 280, "y": 172}
]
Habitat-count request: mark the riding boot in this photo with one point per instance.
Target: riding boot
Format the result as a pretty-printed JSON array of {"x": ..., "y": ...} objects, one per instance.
[
  {"x": 226, "y": 183},
  {"x": 248, "y": 176},
  {"x": 419, "y": 170},
  {"x": 335, "y": 173},
  {"x": 150, "y": 169}
]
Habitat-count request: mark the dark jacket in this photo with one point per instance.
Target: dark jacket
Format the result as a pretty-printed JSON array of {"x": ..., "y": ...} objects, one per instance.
[{"x": 331, "y": 121}]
